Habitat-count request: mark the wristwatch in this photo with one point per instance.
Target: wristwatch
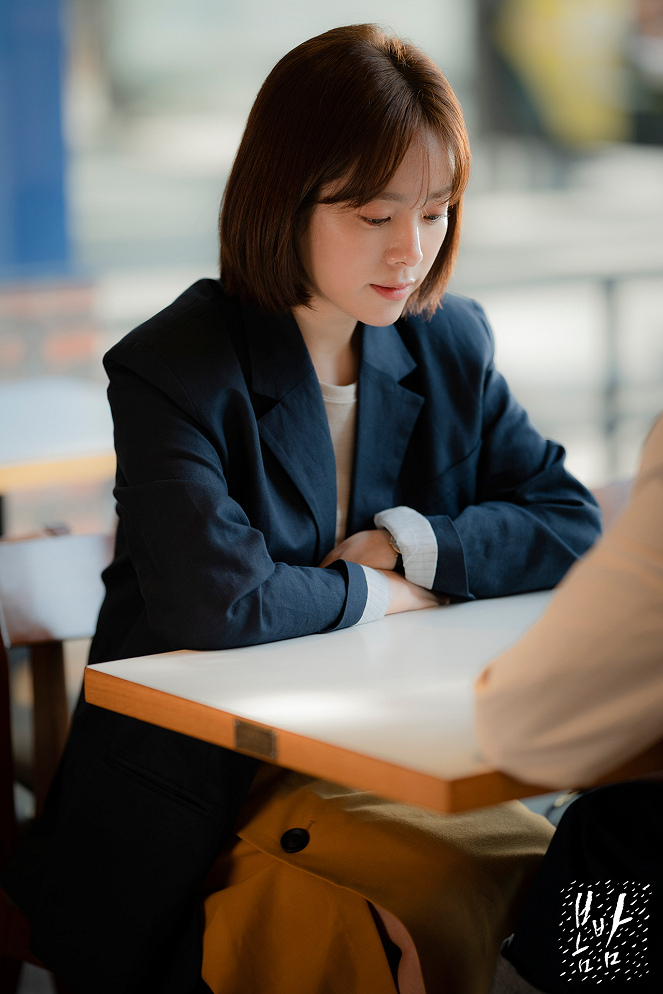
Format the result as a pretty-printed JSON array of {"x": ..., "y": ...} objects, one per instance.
[{"x": 398, "y": 568}]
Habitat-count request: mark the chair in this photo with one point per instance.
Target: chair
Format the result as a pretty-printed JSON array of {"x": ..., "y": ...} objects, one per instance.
[
  {"x": 50, "y": 591},
  {"x": 612, "y": 499}
]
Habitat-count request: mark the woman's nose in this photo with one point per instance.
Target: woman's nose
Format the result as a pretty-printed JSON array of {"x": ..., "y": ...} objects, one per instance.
[{"x": 405, "y": 250}]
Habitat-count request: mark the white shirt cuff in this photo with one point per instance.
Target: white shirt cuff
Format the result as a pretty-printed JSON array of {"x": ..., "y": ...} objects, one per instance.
[
  {"x": 414, "y": 536},
  {"x": 379, "y": 595}
]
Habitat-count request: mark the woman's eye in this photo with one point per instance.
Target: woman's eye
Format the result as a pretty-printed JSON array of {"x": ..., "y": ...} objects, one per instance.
[{"x": 376, "y": 222}]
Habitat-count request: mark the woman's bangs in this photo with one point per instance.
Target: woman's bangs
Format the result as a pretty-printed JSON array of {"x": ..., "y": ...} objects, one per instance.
[
  {"x": 378, "y": 152},
  {"x": 366, "y": 178}
]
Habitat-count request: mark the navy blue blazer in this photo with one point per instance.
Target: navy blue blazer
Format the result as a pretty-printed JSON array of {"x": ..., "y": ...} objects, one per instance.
[
  {"x": 226, "y": 502},
  {"x": 226, "y": 483}
]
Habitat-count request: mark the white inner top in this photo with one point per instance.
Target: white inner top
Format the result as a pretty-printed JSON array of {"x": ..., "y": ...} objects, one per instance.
[{"x": 341, "y": 409}]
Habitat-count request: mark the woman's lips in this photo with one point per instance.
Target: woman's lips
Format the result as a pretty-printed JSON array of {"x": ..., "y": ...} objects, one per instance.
[{"x": 393, "y": 292}]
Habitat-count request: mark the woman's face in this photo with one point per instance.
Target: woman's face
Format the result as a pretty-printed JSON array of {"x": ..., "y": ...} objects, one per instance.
[{"x": 364, "y": 263}]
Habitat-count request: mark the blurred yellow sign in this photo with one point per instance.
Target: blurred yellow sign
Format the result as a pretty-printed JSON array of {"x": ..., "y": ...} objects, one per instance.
[{"x": 569, "y": 54}]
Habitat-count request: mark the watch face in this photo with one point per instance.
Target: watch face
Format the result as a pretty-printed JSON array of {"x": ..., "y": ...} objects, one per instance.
[{"x": 394, "y": 546}]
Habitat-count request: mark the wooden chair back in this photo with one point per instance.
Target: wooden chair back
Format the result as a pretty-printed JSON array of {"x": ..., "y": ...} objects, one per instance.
[
  {"x": 50, "y": 591},
  {"x": 50, "y": 588}
]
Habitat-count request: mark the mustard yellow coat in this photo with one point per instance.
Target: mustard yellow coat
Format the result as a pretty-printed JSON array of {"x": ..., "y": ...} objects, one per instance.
[{"x": 300, "y": 923}]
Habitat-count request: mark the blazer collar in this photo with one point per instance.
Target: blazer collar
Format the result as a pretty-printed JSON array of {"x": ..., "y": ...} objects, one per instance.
[
  {"x": 279, "y": 358},
  {"x": 296, "y": 431},
  {"x": 386, "y": 415},
  {"x": 383, "y": 349},
  {"x": 295, "y": 428}
]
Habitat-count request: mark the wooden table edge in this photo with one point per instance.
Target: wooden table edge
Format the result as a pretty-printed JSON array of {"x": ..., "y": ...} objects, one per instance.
[
  {"x": 330, "y": 762},
  {"x": 297, "y": 752}
]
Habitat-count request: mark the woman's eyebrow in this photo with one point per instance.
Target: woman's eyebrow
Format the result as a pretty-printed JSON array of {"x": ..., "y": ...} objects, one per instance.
[
  {"x": 440, "y": 194},
  {"x": 400, "y": 199}
]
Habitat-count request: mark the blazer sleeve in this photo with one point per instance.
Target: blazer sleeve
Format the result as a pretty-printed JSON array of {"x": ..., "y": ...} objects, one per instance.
[
  {"x": 205, "y": 574},
  {"x": 531, "y": 519},
  {"x": 582, "y": 692}
]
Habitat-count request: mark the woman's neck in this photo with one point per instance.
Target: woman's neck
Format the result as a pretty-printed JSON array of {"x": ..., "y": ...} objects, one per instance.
[{"x": 331, "y": 341}]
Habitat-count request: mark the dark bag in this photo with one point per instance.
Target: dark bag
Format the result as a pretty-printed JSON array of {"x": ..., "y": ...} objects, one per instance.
[{"x": 594, "y": 914}]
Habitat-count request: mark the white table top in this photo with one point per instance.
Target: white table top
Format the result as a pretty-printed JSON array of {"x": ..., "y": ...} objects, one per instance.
[{"x": 399, "y": 690}]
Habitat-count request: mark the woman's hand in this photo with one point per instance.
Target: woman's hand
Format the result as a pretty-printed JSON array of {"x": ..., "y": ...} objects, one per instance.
[
  {"x": 369, "y": 548},
  {"x": 406, "y": 596}
]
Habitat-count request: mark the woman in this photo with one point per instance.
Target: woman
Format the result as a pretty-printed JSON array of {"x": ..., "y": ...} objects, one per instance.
[{"x": 245, "y": 465}]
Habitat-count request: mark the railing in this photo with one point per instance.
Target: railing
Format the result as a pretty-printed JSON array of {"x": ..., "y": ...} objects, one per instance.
[{"x": 609, "y": 284}]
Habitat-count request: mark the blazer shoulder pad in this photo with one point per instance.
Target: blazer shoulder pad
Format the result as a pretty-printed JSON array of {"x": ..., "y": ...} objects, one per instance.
[{"x": 182, "y": 326}]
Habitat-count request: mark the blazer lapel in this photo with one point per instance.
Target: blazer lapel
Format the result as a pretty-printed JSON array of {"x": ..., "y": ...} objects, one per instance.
[
  {"x": 295, "y": 428},
  {"x": 386, "y": 414}
]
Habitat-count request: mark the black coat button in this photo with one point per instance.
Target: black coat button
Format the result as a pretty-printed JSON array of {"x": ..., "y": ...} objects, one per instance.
[{"x": 295, "y": 839}]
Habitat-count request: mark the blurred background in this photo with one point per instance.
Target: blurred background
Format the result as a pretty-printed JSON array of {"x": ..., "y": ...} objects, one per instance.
[{"x": 119, "y": 120}]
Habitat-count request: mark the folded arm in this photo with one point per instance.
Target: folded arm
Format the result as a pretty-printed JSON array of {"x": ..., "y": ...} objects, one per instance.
[
  {"x": 205, "y": 573},
  {"x": 531, "y": 519}
]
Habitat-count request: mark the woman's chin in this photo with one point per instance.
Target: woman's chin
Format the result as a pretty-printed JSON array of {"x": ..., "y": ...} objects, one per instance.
[{"x": 382, "y": 313}]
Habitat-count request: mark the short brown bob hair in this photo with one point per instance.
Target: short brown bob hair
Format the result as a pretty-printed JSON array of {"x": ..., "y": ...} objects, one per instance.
[{"x": 342, "y": 107}]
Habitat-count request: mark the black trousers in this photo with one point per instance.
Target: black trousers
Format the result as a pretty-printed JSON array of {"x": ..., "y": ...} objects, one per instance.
[{"x": 594, "y": 914}]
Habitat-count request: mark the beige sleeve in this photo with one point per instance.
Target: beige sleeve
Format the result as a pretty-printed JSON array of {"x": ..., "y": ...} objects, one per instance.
[{"x": 582, "y": 691}]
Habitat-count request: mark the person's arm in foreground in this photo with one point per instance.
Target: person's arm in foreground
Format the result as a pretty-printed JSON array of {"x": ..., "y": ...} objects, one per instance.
[{"x": 582, "y": 692}]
